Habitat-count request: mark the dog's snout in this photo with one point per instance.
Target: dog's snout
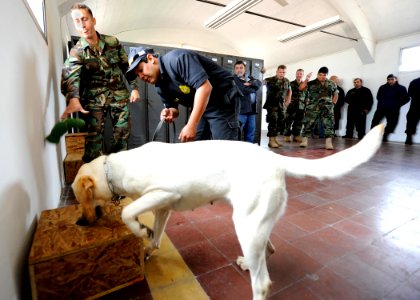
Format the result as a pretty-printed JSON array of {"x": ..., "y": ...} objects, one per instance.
[
  {"x": 98, "y": 212},
  {"x": 83, "y": 221}
]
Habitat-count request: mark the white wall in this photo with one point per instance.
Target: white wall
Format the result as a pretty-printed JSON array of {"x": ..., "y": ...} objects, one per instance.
[
  {"x": 30, "y": 169},
  {"x": 347, "y": 65}
]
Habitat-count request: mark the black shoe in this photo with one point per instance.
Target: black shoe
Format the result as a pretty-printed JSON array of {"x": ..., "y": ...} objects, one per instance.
[
  {"x": 385, "y": 138},
  {"x": 409, "y": 140},
  {"x": 347, "y": 137}
]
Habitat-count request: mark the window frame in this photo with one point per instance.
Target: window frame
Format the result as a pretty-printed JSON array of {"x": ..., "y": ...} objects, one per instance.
[
  {"x": 401, "y": 63},
  {"x": 37, "y": 8}
]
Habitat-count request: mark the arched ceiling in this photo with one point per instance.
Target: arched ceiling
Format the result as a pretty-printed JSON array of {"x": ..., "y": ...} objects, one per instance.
[{"x": 179, "y": 23}]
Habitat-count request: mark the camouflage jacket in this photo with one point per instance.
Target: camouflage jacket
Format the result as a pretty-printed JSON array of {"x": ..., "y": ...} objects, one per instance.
[
  {"x": 96, "y": 76},
  {"x": 316, "y": 92},
  {"x": 298, "y": 96},
  {"x": 276, "y": 91}
]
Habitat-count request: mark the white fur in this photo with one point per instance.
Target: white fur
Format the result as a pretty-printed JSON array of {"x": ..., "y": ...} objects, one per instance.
[{"x": 163, "y": 177}]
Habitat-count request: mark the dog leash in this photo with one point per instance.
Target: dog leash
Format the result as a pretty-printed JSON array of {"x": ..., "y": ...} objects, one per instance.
[{"x": 159, "y": 127}]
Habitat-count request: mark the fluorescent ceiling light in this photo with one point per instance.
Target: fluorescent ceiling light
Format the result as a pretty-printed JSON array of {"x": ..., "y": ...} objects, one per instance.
[
  {"x": 229, "y": 12},
  {"x": 282, "y": 2},
  {"x": 310, "y": 28}
]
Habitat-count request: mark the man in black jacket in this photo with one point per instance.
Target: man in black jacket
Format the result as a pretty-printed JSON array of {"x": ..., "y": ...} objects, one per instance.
[
  {"x": 413, "y": 114},
  {"x": 248, "y": 86},
  {"x": 360, "y": 102},
  {"x": 391, "y": 96},
  {"x": 339, "y": 104}
]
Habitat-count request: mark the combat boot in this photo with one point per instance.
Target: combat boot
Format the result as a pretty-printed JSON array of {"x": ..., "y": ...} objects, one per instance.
[
  {"x": 272, "y": 142},
  {"x": 297, "y": 139},
  {"x": 287, "y": 139},
  {"x": 328, "y": 144},
  {"x": 304, "y": 142}
]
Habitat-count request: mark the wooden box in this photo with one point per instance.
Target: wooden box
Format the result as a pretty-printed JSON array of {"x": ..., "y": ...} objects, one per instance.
[
  {"x": 72, "y": 164},
  {"x": 69, "y": 261},
  {"x": 75, "y": 147}
]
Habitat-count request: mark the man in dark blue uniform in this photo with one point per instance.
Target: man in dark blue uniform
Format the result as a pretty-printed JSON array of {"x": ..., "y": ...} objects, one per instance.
[
  {"x": 391, "y": 96},
  {"x": 188, "y": 78}
]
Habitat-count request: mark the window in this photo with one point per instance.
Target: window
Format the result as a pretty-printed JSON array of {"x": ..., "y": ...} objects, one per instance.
[
  {"x": 37, "y": 10},
  {"x": 410, "y": 59}
]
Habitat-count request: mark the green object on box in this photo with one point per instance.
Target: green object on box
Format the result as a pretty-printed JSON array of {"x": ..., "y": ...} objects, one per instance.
[{"x": 63, "y": 127}]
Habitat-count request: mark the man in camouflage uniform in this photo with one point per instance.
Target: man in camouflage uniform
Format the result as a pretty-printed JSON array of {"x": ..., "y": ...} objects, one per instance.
[
  {"x": 92, "y": 82},
  {"x": 321, "y": 95},
  {"x": 295, "y": 110},
  {"x": 278, "y": 98}
]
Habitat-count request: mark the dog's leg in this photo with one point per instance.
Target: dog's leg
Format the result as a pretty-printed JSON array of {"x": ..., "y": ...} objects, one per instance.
[
  {"x": 269, "y": 250},
  {"x": 161, "y": 218},
  {"x": 154, "y": 200},
  {"x": 253, "y": 224},
  {"x": 254, "y": 243}
]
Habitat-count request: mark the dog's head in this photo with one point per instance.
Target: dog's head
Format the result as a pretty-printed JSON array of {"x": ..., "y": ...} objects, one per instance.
[
  {"x": 83, "y": 188},
  {"x": 88, "y": 188}
]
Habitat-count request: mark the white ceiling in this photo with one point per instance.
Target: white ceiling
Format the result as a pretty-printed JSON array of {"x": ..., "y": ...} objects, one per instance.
[{"x": 179, "y": 23}]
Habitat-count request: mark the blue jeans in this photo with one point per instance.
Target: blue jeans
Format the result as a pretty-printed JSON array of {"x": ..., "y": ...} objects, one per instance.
[{"x": 247, "y": 123}]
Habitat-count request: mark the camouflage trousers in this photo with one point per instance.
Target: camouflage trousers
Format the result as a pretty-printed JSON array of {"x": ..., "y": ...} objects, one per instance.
[
  {"x": 275, "y": 120},
  {"x": 322, "y": 110},
  {"x": 293, "y": 121},
  {"x": 95, "y": 121}
]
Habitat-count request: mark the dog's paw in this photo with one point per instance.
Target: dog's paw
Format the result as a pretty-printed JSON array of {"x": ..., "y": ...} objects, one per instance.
[
  {"x": 146, "y": 232},
  {"x": 240, "y": 261},
  {"x": 148, "y": 251},
  {"x": 135, "y": 228}
]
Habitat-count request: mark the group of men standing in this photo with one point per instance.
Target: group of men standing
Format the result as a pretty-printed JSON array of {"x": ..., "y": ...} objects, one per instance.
[{"x": 296, "y": 108}]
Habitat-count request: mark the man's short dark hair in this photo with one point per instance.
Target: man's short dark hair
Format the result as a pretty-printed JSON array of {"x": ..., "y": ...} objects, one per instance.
[
  {"x": 240, "y": 62},
  {"x": 283, "y": 67},
  {"x": 81, "y": 6}
]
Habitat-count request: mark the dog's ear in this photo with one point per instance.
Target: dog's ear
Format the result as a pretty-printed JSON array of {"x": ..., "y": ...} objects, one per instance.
[{"x": 83, "y": 189}]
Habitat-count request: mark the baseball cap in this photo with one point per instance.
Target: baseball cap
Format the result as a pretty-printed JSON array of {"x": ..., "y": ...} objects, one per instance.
[
  {"x": 323, "y": 70},
  {"x": 391, "y": 76},
  {"x": 136, "y": 55}
]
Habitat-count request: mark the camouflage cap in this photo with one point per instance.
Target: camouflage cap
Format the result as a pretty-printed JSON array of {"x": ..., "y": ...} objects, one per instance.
[{"x": 134, "y": 58}]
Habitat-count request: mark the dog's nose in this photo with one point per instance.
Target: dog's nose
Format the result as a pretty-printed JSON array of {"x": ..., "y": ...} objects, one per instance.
[{"x": 84, "y": 222}]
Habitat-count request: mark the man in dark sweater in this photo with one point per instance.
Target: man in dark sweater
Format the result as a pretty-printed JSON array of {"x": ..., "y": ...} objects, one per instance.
[
  {"x": 360, "y": 102},
  {"x": 413, "y": 114},
  {"x": 248, "y": 85},
  {"x": 391, "y": 96}
]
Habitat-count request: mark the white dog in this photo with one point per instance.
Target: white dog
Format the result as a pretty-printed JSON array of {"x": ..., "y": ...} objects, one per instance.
[{"x": 161, "y": 177}]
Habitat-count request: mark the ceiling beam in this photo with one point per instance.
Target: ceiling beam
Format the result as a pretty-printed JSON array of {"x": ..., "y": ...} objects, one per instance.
[{"x": 351, "y": 12}]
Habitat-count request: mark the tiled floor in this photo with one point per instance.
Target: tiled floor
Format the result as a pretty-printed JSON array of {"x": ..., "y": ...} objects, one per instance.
[{"x": 357, "y": 237}]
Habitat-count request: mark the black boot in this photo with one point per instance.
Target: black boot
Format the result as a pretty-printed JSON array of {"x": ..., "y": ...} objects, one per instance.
[
  {"x": 385, "y": 137},
  {"x": 409, "y": 140}
]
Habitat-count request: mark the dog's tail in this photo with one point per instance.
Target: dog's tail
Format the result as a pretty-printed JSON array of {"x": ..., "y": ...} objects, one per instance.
[{"x": 339, "y": 163}]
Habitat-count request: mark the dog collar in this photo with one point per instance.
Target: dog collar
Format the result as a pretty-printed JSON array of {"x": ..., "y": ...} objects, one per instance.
[{"x": 115, "y": 197}]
